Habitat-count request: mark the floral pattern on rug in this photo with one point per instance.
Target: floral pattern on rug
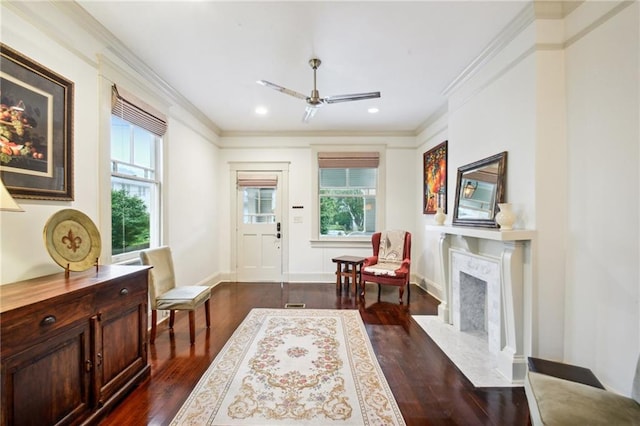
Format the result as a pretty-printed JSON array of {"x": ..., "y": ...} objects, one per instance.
[{"x": 291, "y": 367}]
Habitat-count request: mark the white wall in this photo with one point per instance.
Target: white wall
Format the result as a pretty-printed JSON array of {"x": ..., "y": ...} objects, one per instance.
[
  {"x": 425, "y": 251},
  {"x": 23, "y": 252},
  {"x": 310, "y": 261},
  {"x": 499, "y": 109},
  {"x": 602, "y": 309},
  {"x": 68, "y": 50},
  {"x": 192, "y": 209},
  {"x": 562, "y": 98}
]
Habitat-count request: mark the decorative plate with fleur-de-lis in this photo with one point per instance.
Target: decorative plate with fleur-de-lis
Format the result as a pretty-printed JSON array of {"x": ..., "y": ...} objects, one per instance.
[{"x": 72, "y": 240}]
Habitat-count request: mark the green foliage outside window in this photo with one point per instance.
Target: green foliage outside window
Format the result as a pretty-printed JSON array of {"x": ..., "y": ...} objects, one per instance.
[
  {"x": 129, "y": 222},
  {"x": 344, "y": 213}
]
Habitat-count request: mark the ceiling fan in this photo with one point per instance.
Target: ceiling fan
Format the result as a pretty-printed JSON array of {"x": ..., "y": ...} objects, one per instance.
[{"x": 315, "y": 101}]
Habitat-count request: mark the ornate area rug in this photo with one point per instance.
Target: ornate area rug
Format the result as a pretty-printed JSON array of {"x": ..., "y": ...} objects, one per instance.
[{"x": 293, "y": 367}]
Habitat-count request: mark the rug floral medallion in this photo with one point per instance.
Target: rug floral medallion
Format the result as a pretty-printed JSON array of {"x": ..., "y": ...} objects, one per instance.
[{"x": 293, "y": 367}]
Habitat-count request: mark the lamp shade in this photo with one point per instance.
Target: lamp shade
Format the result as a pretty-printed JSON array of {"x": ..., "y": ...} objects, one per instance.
[
  {"x": 469, "y": 189},
  {"x": 7, "y": 202}
]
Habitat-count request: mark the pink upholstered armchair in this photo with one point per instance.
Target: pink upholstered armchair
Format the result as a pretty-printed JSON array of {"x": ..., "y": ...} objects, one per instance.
[{"x": 390, "y": 263}]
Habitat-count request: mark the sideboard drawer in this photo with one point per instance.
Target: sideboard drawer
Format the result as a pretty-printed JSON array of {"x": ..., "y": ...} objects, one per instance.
[
  {"x": 130, "y": 291},
  {"x": 23, "y": 326}
]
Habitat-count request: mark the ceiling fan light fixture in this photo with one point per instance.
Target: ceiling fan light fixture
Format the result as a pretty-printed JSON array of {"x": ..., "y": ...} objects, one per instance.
[
  {"x": 261, "y": 110},
  {"x": 373, "y": 110},
  {"x": 314, "y": 101},
  {"x": 309, "y": 112}
]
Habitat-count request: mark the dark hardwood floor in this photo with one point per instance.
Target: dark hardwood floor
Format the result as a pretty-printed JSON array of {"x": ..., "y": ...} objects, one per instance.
[{"x": 429, "y": 389}]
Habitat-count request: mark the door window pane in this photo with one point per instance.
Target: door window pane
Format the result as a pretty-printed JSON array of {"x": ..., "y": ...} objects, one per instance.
[{"x": 258, "y": 205}]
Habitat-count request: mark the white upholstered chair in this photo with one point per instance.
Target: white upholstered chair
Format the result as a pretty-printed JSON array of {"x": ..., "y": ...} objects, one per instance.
[{"x": 165, "y": 295}]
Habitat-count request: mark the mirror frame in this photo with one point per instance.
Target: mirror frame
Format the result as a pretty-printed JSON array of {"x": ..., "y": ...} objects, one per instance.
[{"x": 501, "y": 159}]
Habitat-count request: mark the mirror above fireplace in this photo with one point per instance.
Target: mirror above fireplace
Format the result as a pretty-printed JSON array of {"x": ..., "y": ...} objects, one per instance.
[{"x": 480, "y": 187}]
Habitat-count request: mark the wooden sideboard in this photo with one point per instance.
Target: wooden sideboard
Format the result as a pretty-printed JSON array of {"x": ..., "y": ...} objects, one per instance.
[{"x": 71, "y": 348}]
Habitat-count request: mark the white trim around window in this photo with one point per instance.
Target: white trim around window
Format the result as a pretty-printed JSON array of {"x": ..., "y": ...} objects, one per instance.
[{"x": 337, "y": 241}]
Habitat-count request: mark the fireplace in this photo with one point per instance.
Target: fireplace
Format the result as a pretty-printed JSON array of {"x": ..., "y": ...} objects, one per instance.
[
  {"x": 472, "y": 294},
  {"x": 475, "y": 284},
  {"x": 487, "y": 292}
]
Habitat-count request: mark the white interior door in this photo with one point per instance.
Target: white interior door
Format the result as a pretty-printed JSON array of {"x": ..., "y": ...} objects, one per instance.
[{"x": 259, "y": 229}]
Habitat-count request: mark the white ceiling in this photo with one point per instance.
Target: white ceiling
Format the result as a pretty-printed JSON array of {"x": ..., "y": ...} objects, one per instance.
[{"x": 213, "y": 53}]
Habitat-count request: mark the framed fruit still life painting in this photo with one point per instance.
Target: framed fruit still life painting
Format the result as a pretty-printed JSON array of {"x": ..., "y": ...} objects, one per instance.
[
  {"x": 36, "y": 129},
  {"x": 435, "y": 179}
]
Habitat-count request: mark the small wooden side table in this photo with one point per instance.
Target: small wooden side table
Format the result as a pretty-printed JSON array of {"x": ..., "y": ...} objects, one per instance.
[{"x": 348, "y": 267}]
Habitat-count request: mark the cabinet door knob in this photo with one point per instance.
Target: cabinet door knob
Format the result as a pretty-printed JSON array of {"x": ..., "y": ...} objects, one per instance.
[
  {"x": 124, "y": 292},
  {"x": 48, "y": 320}
]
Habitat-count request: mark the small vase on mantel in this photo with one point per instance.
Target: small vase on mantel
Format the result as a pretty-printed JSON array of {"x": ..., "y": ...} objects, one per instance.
[
  {"x": 505, "y": 217},
  {"x": 440, "y": 216}
]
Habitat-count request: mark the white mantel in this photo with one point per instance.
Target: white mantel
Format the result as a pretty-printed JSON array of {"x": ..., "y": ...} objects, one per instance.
[{"x": 512, "y": 250}]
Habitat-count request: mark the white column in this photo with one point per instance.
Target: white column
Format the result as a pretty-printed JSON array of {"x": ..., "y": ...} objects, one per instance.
[
  {"x": 511, "y": 361},
  {"x": 443, "y": 308}
]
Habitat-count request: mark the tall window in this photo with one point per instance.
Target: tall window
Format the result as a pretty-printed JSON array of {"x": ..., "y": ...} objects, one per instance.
[
  {"x": 347, "y": 190},
  {"x": 136, "y": 138}
]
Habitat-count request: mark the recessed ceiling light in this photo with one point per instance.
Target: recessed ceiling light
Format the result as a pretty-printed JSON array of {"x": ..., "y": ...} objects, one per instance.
[
  {"x": 372, "y": 110},
  {"x": 261, "y": 110}
]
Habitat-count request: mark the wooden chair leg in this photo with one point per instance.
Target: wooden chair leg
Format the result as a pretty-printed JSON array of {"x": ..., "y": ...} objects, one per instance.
[
  {"x": 379, "y": 287},
  {"x": 154, "y": 320},
  {"x": 207, "y": 312},
  {"x": 172, "y": 318},
  {"x": 192, "y": 326},
  {"x": 408, "y": 286}
]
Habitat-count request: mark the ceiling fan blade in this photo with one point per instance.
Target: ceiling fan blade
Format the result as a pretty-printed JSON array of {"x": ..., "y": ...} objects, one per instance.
[
  {"x": 281, "y": 89},
  {"x": 309, "y": 112},
  {"x": 352, "y": 97}
]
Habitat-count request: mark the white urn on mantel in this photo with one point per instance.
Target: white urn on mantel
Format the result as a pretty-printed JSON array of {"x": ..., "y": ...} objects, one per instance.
[
  {"x": 440, "y": 216},
  {"x": 505, "y": 217}
]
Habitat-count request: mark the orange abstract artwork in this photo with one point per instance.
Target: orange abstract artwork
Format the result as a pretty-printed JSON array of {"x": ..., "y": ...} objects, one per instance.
[{"x": 435, "y": 179}]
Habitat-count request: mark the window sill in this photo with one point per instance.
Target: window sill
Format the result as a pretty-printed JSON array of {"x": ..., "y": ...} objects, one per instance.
[
  {"x": 341, "y": 242},
  {"x": 131, "y": 258}
]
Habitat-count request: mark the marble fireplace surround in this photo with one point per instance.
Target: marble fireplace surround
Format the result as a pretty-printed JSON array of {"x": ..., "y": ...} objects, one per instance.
[{"x": 502, "y": 259}]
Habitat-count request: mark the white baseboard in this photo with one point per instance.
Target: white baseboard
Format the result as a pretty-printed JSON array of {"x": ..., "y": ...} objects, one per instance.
[{"x": 431, "y": 287}]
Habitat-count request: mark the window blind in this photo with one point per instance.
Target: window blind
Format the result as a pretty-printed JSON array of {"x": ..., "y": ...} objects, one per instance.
[
  {"x": 129, "y": 109},
  {"x": 348, "y": 160},
  {"x": 257, "y": 180}
]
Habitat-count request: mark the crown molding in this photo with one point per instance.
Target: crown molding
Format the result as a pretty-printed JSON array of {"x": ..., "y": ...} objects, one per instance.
[
  {"x": 553, "y": 9},
  {"x": 513, "y": 28},
  {"x": 435, "y": 116},
  {"x": 87, "y": 22},
  {"x": 24, "y": 10},
  {"x": 536, "y": 9},
  {"x": 322, "y": 133},
  {"x": 598, "y": 22}
]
